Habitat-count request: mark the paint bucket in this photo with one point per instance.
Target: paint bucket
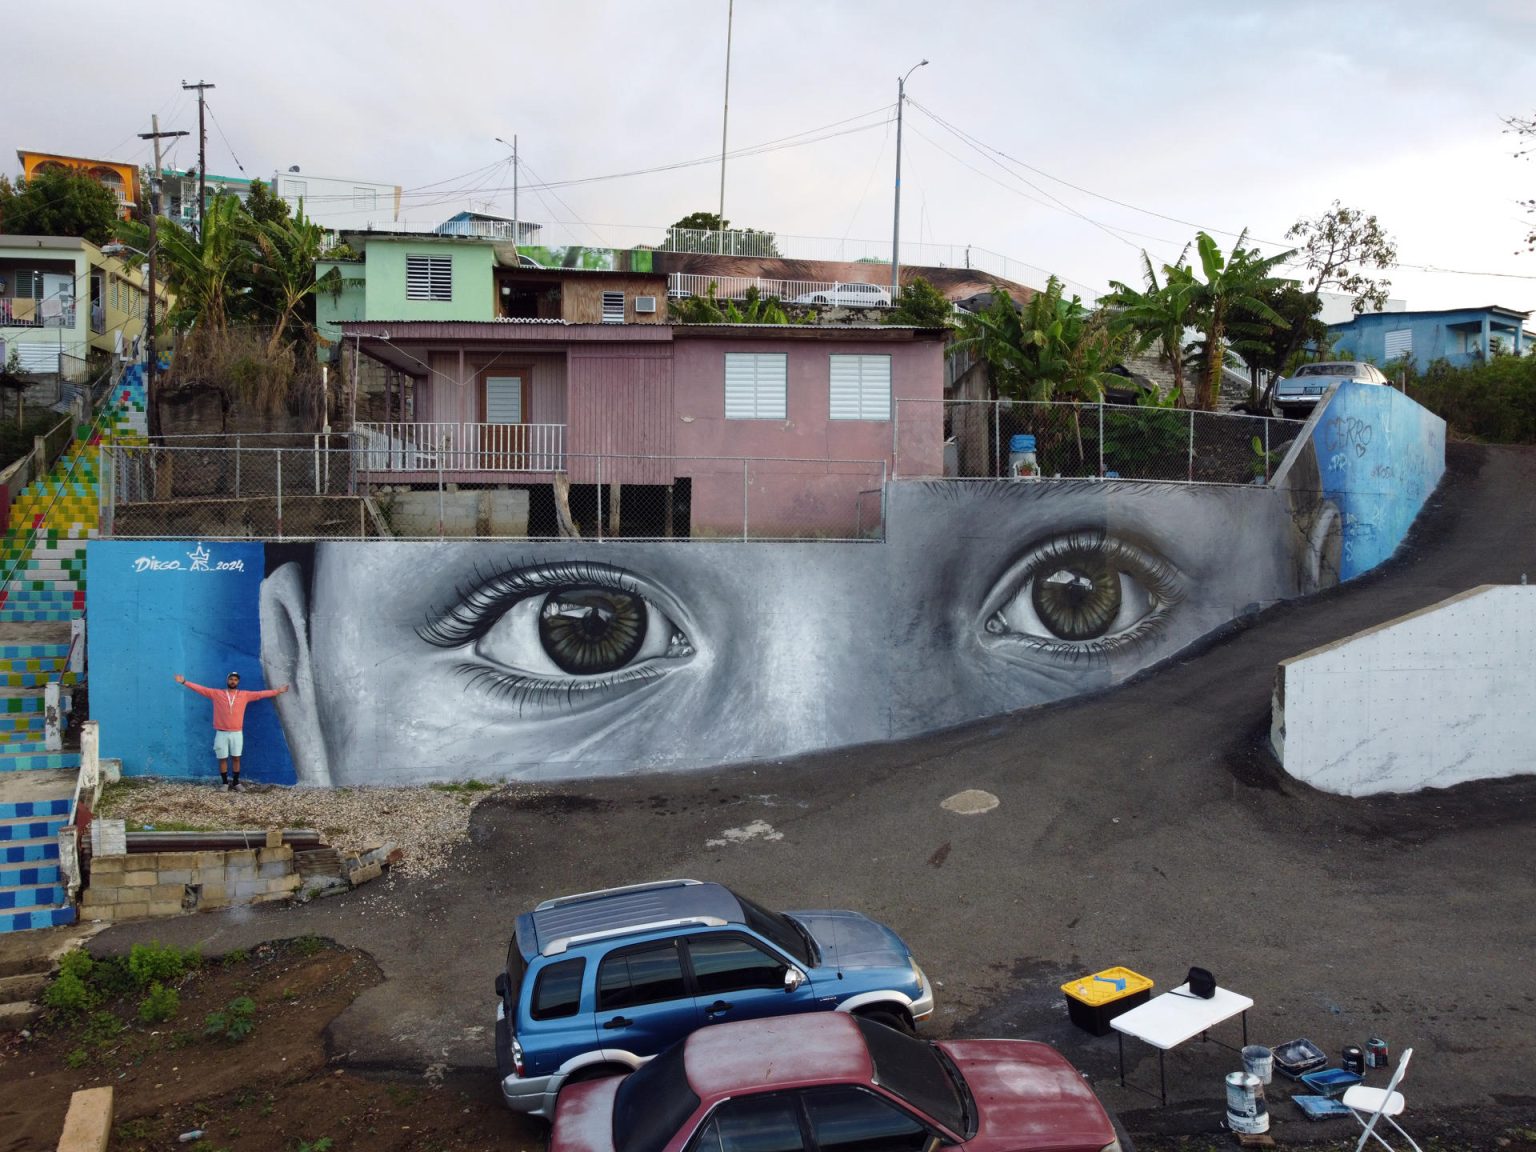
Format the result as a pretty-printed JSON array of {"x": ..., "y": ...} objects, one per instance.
[
  {"x": 1246, "y": 1110},
  {"x": 1353, "y": 1060},
  {"x": 1259, "y": 1061},
  {"x": 1377, "y": 1054}
]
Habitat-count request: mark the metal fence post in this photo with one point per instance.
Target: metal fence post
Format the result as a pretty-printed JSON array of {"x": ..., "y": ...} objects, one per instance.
[
  {"x": 237, "y": 467},
  {"x": 997, "y": 444},
  {"x": 1101, "y": 439},
  {"x": 744, "y": 517},
  {"x": 440, "y": 495},
  {"x": 882, "y": 501},
  {"x": 1191, "y": 445},
  {"x": 599, "y": 499},
  {"x": 896, "y": 435},
  {"x": 279, "y": 452},
  {"x": 317, "y": 464},
  {"x": 1266, "y": 449}
]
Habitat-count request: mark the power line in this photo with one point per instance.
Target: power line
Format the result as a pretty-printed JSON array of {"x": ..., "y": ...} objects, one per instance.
[{"x": 225, "y": 138}]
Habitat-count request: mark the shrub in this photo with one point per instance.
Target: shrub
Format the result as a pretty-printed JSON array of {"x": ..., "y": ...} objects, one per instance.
[
  {"x": 156, "y": 963},
  {"x": 235, "y": 1022},
  {"x": 102, "y": 1027},
  {"x": 160, "y": 1004},
  {"x": 78, "y": 1058},
  {"x": 76, "y": 962},
  {"x": 69, "y": 994},
  {"x": 309, "y": 944},
  {"x": 111, "y": 978}
]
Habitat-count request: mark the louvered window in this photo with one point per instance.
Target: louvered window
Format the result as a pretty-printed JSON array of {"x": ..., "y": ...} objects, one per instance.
[
  {"x": 1399, "y": 343},
  {"x": 429, "y": 278},
  {"x": 756, "y": 385},
  {"x": 613, "y": 307},
  {"x": 860, "y": 387}
]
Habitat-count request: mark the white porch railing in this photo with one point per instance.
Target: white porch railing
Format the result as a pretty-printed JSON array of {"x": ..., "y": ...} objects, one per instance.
[
  {"x": 681, "y": 285},
  {"x": 454, "y": 447}
]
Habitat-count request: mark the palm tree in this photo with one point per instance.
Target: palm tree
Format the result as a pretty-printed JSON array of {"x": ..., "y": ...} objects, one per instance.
[
  {"x": 284, "y": 254},
  {"x": 200, "y": 270},
  {"x": 1158, "y": 314},
  {"x": 1234, "y": 285}
]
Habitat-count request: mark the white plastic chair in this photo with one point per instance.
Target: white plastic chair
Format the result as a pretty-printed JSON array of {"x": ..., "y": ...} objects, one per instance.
[{"x": 1372, "y": 1104}]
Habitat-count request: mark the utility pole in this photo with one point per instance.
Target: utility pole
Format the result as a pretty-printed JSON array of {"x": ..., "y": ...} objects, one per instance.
[
  {"x": 901, "y": 100},
  {"x": 514, "y": 200},
  {"x": 202, "y": 154},
  {"x": 152, "y": 373},
  {"x": 725, "y": 116}
]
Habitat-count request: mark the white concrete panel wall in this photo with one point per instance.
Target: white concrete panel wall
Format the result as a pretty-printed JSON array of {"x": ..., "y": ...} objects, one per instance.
[{"x": 1429, "y": 700}]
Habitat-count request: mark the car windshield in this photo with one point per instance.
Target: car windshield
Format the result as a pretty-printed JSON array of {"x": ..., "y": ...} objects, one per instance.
[
  {"x": 914, "y": 1070},
  {"x": 778, "y": 928},
  {"x": 1326, "y": 370},
  {"x": 652, "y": 1103}
]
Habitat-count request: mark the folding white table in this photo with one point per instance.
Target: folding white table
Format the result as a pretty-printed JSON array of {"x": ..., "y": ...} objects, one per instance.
[{"x": 1168, "y": 1020}]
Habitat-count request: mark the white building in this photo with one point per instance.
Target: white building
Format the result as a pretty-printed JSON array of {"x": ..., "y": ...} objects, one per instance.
[{"x": 336, "y": 204}]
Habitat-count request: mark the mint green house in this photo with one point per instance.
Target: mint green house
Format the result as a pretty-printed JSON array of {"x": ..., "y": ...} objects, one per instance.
[{"x": 407, "y": 277}]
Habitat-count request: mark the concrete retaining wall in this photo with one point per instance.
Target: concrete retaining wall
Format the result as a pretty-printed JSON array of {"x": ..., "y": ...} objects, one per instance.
[
  {"x": 1432, "y": 699},
  {"x": 141, "y": 885}
]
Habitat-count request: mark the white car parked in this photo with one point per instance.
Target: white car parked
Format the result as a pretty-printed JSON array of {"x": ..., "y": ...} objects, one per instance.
[
  {"x": 848, "y": 296},
  {"x": 1297, "y": 395}
]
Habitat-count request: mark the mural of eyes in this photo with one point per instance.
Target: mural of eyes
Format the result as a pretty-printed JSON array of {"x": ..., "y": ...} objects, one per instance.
[
  {"x": 1080, "y": 595},
  {"x": 561, "y": 636}
]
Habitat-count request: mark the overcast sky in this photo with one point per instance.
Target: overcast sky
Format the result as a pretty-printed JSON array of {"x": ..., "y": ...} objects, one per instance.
[{"x": 1221, "y": 114}]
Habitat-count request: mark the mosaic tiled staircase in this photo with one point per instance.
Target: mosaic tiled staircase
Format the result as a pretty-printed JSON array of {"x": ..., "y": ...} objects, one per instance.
[{"x": 44, "y": 552}]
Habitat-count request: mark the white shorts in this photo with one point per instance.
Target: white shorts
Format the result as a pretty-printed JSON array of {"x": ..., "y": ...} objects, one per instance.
[{"x": 227, "y": 744}]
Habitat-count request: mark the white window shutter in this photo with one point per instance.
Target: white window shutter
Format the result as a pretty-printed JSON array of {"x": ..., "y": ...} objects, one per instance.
[
  {"x": 1399, "y": 343},
  {"x": 756, "y": 385},
  {"x": 429, "y": 278},
  {"x": 613, "y": 307},
  {"x": 859, "y": 387},
  {"x": 503, "y": 399}
]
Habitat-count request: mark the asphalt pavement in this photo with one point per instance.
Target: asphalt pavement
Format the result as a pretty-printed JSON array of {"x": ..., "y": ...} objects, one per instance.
[{"x": 1147, "y": 826}]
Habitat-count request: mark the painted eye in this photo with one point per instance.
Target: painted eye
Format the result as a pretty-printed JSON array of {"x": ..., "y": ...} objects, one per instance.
[
  {"x": 565, "y": 635},
  {"x": 1082, "y": 593}
]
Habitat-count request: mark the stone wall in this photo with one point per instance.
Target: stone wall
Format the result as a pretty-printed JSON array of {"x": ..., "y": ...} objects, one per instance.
[{"x": 145, "y": 884}]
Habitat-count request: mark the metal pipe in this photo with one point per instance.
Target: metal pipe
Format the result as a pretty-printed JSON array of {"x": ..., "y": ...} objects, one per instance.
[{"x": 744, "y": 517}]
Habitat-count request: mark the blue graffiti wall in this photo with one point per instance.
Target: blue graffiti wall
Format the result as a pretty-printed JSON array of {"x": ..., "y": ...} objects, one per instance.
[
  {"x": 157, "y": 608},
  {"x": 1379, "y": 456}
]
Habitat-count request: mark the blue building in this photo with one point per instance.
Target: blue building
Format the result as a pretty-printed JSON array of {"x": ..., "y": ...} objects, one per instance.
[{"x": 1458, "y": 335}]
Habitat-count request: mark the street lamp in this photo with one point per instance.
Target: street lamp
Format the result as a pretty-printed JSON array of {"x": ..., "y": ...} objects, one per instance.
[{"x": 901, "y": 99}]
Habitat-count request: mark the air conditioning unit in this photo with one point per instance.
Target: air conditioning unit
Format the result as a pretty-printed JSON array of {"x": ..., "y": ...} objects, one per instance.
[{"x": 645, "y": 303}]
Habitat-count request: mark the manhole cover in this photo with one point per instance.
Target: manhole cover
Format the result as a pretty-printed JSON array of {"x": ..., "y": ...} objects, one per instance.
[{"x": 971, "y": 802}]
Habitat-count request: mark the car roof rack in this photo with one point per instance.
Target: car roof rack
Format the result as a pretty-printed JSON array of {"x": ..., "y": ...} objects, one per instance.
[
  {"x": 560, "y": 944},
  {"x": 653, "y": 885}
]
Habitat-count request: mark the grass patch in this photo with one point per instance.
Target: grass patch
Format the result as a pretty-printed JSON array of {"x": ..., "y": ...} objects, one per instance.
[{"x": 464, "y": 786}]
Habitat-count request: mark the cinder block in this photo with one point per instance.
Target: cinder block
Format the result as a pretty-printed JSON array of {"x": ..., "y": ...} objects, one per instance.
[
  {"x": 140, "y": 879},
  {"x": 280, "y": 854},
  {"x": 212, "y": 861},
  {"x": 214, "y": 892},
  {"x": 236, "y": 873},
  {"x": 98, "y": 897},
  {"x": 274, "y": 837},
  {"x": 130, "y": 910},
  {"x": 277, "y": 868},
  {"x": 108, "y": 865},
  {"x": 166, "y": 907},
  {"x": 178, "y": 860},
  {"x": 88, "y": 1123},
  {"x": 245, "y": 889},
  {"x": 210, "y": 904},
  {"x": 285, "y": 884},
  {"x": 365, "y": 874},
  {"x": 240, "y": 858},
  {"x": 175, "y": 875},
  {"x": 168, "y": 892}
]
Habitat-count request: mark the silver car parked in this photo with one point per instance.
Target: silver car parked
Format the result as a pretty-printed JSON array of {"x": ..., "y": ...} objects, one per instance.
[{"x": 1297, "y": 395}]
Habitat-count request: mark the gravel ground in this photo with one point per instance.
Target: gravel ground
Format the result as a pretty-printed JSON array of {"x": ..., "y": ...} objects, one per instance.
[{"x": 425, "y": 823}]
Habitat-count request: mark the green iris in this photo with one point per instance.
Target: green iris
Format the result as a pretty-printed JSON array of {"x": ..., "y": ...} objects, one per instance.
[
  {"x": 593, "y": 630},
  {"x": 1079, "y": 600}
]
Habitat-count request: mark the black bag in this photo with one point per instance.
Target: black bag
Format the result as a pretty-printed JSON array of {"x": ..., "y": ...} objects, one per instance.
[{"x": 1201, "y": 983}]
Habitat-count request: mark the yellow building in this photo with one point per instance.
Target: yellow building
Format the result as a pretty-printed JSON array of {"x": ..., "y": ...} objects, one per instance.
[
  {"x": 62, "y": 298},
  {"x": 122, "y": 180}
]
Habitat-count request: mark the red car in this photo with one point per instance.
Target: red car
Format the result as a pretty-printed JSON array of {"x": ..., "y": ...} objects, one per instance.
[{"x": 832, "y": 1082}]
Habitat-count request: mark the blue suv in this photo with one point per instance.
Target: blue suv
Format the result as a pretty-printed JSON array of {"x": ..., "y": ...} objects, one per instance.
[{"x": 596, "y": 984}]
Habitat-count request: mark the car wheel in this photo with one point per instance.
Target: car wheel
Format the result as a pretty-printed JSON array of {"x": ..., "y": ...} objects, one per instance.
[{"x": 891, "y": 1018}]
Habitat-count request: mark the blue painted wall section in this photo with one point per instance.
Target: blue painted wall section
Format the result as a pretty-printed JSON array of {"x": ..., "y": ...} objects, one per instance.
[
  {"x": 157, "y": 608},
  {"x": 1380, "y": 455}
]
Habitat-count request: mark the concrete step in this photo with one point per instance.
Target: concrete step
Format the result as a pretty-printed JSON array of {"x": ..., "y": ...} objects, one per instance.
[
  {"x": 26, "y": 899},
  {"x": 21, "y": 829},
  {"x": 34, "y": 809},
  {"x": 23, "y": 987},
  {"x": 22, "y": 1014},
  {"x": 35, "y": 615},
  {"x": 37, "y": 918},
  {"x": 38, "y": 760},
  {"x": 20, "y": 747},
  {"x": 32, "y": 851},
  {"x": 34, "y": 874}
]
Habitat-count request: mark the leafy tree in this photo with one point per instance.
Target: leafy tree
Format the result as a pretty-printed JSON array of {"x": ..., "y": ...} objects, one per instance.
[
  {"x": 922, "y": 306},
  {"x": 1271, "y": 347},
  {"x": 1054, "y": 345},
  {"x": 202, "y": 270},
  {"x": 1341, "y": 249},
  {"x": 263, "y": 207},
  {"x": 1233, "y": 290},
  {"x": 1157, "y": 314},
  {"x": 58, "y": 203},
  {"x": 708, "y": 232}
]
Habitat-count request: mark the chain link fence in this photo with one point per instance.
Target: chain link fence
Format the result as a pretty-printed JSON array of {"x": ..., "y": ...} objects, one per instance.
[
  {"x": 325, "y": 488},
  {"x": 986, "y": 439}
]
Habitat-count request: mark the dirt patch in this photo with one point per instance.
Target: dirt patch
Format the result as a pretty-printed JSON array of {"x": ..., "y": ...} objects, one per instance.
[{"x": 275, "y": 1089}]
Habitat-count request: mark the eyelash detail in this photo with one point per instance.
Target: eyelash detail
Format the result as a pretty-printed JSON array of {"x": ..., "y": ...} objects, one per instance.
[{"x": 480, "y": 604}]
